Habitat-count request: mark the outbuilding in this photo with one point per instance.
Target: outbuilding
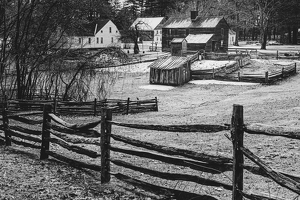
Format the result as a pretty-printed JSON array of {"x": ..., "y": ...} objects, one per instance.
[
  {"x": 197, "y": 42},
  {"x": 178, "y": 46},
  {"x": 173, "y": 70}
]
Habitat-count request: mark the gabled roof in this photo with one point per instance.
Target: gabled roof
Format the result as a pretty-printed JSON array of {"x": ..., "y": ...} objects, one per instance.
[
  {"x": 198, "y": 38},
  {"x": 90, "y": 29},
  {"x": 169, "y": 63},
  {"x": 177, "y": 40},
  {"x": 186, "y": 22},
  {"x": 147, "y": 23}
]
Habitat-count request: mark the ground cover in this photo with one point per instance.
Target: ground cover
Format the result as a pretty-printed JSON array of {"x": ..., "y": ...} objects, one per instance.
[{"x": 189, "y": 104}]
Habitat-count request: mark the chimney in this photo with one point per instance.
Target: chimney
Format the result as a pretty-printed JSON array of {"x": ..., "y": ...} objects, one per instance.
[{"x": 194, "y": 15}]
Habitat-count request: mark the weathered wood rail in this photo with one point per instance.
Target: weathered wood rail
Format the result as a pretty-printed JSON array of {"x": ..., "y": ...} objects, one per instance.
[
  {"x": 46, "y": 128},
  {"x": 267, "y": 77},
  {"x": 83, "y": 108}
]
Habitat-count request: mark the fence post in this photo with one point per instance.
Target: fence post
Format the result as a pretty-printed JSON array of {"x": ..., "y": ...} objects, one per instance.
[
  {"x": 6, "y": 126},
  {"x": 105, "y": 143},
  {"x": 95, "y": 106},
  {"x": 127, "y": 109},
  {"x": 237, "y": 135},
  {"x": 239, "y": 76},
  {"x": 213, "y": 74},
  {"x": 277, "y": 55},
  {"x": 295, "y": 67},
  {"x": 156, "y": 104},
  {"x": 266, "y": 77},
  {"x": 282, "y": 72},
  {"x": 46, "y": 132}
]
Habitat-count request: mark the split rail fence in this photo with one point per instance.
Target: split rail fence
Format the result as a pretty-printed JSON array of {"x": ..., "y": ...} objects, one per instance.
[
  {"x": 226, "y": 73},
  {"x": 232, "y": 53},
  {"x": 83, "y": 108},
  {"x": 52, "y": 129}
]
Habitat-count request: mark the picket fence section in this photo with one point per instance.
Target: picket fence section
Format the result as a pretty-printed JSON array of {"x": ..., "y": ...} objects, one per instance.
[
  {"x": 83, "y": 108},
  {"x": 52, "y": 129}
]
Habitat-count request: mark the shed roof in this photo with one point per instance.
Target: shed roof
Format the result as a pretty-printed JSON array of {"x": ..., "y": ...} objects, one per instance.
[
  {"x": 174, "y": 22},
  {"x": 178, "y": 40},
  {"x": 168, "y": 63},
  {"x": 147, "y": 23},
  {"x": 198, "y": 38}
]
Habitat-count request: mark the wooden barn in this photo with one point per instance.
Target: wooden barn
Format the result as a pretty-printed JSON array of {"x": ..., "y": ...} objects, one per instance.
[
  {"x": 181, "y": 27},
  {"x": 173, "y": 70},
  {"x": 178, "y": 46}
]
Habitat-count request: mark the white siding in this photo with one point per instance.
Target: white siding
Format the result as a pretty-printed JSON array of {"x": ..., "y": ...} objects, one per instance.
[
  {"x": 110, "y": 36},
  {"x": 105, "y": 36},
  {"x": 157, "y": 37},
  {"x": 231, "y": 39}
]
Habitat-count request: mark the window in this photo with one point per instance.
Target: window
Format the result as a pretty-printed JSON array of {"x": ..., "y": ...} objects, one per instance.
[
  {"x": 101, "y": 31},
  {"x": 79, "y": 40},
  {"x": 112, "y": 40},
  {"x": 101, "y": 40},
  {"x": 156, "y": 32},
  {"x": 116, "y": 31},
  {"x": 97, "y": 40},
  {"x": 157, "y": 39},
  {"x": 90, "y": 40},
  {"x": 109, "y": 29}
]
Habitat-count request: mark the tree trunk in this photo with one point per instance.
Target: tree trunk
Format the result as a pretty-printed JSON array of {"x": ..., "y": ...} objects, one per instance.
[
  {"x": 295, "y": 35},
  {"x": 253, "y": 34},
  {"x": 264, "y": 36},
  {"x": 289, "y": 35},
  {"x": 236, "y": 42},
  {"x": 136, "y": 47},
  {"x": 17, "y": 51}
]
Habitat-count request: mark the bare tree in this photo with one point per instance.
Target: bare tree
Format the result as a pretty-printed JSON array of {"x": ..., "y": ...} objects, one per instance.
[
  {"x": 136, "y": 32},
  {"x": 32, "y": 36}
]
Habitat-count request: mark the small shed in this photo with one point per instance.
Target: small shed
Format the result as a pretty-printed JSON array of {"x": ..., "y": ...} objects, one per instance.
[
  {"x": 173, "y": 70},
  {"x": 178, "y": 46},
  {"x": 196, "y": 42}
]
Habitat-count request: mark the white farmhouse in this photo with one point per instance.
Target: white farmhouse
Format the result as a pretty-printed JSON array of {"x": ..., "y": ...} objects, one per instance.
[
  {"x": 152, "y": 28},
  {"x": 231, "y": 37},
  {"x": 98, "y": 34}
]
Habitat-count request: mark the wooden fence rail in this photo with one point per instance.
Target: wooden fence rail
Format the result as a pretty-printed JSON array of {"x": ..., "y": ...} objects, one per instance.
[
  {"x": 83, "y": 108},
  {"x": 266, "y": 77},
  {"x": 57, "y": 131}
]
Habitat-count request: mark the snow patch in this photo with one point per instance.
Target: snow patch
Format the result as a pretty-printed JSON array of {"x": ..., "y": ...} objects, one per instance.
[
  {"x": 210, "y": 64},
  {"x": 207, "y": 82},
  {"x": 157, "y": 87}
]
